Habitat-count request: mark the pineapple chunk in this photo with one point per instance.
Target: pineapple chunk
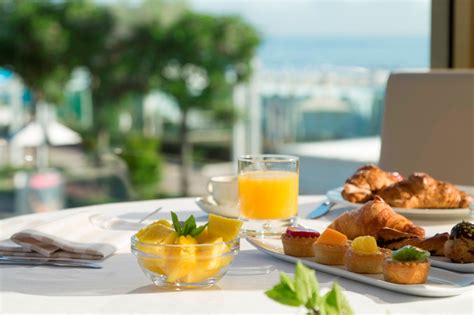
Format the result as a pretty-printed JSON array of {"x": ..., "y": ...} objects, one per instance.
[
  {"x": 209, "y": 256},
  {"x": 203, "y": 237},
  {"x": 180, "y": 261},
  {"x": 209, "y": 260},
  {"x": 365, "y": 244},
  {"x": 226, "y": 228},
  {"x": 159, "y": 232}
]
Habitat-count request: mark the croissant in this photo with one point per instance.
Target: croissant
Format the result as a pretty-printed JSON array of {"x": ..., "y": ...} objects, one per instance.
[
  {"x": 423, "y": 191},
  {"x": 372, "y": 217},
  {"x": 367, "y": 180}
]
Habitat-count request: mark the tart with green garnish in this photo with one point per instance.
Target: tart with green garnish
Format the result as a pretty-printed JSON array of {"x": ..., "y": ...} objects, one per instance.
[{"x": 408, "y": 265}]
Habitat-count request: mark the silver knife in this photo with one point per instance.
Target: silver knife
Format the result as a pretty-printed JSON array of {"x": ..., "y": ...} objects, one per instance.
[
  {"x": 57, "y": 263},
  {"x": 321, "y": 210}
]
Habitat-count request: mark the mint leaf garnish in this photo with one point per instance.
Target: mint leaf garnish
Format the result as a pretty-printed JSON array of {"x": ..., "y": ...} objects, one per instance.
[
  {"x": 176, "y": 224},
  {"x": 188, "y": 227},
  {"x": 285, "y": 279},
  {"x": 335, "y": 303},
  {"x": 301, "y": 283},
  {"x": 283, "y": 294},
  {"x": 303, "y": 290},
  {"x": 306, "y": 286},
  {"x": 198, "y": 230}
]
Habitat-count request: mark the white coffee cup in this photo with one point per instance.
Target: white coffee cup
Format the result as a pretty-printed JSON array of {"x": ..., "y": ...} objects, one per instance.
[{"x": 224, "y": 189}]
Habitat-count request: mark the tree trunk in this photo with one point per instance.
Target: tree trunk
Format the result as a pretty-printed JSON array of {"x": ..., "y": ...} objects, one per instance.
[{"x": 186, "y": 154}]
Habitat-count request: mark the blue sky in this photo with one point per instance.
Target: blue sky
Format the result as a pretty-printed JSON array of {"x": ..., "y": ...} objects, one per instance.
[{"x": 328, "y": 18}]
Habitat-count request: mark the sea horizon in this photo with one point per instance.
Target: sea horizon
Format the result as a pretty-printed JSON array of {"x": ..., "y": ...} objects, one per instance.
[{"x": 371, "y": 52}]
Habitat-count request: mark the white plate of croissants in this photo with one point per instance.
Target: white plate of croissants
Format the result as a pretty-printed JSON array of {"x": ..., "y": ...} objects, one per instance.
[{"x": 418, "y": 195}]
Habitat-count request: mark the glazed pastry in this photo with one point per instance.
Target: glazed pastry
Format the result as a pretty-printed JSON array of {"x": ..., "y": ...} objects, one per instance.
[
  {"x": 393, "y": 239},
  {"x": 408, "y": 265},
  {"x": 298, "y": 242},
  {"x": 330, "y": 248},
  {"x": 372, "y": 217},
  {"x": 366, "y": 181},
  {"x": 363, "y": 256},
  {"x": 460, "y": 246},
  {"x": 423, "y": 191}
]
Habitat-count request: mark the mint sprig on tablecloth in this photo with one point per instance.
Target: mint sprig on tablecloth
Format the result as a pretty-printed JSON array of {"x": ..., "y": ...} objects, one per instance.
[{"x": 303, "y": 290}]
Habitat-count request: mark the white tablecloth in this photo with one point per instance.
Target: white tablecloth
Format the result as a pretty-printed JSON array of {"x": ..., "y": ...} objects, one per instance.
[{"x": 121, "y": 287}]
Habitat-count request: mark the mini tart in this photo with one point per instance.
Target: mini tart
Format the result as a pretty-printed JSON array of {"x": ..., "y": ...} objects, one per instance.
[
  {"x": 329, "y": 254},
  {"x": 361, "y": 262},
  {"x": 410, "y": 272},
  {"x": 298, "y": 246}
]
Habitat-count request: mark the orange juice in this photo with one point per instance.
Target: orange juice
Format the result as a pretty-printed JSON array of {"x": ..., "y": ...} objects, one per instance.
[{"x": 268, "y": 195}]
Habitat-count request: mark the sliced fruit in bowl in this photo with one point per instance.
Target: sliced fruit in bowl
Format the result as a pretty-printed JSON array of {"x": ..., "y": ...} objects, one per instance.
[{"x": 184, "y": 255}]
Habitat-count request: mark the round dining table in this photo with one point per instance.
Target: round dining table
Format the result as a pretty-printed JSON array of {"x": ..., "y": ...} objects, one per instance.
[{"x": 121, "y": 287}]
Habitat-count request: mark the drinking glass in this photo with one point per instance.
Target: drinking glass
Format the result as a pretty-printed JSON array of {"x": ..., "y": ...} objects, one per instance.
[{"x": 268, "y": 193}]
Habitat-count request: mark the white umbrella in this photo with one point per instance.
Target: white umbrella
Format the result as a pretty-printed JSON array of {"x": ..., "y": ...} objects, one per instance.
[
  {"x": 58, "y": 134},
  {"x": 54, "y": 133}
]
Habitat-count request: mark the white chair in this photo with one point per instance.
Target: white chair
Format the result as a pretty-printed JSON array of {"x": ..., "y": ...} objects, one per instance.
[{"x": 429, "y": 125}]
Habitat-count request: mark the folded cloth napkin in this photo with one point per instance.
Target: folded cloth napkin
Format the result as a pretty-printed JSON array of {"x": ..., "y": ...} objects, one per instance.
[{"x": 72, "y": 236}]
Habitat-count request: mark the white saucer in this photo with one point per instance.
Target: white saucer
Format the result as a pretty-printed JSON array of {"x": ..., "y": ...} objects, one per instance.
[{"x": 209, "y": 205}]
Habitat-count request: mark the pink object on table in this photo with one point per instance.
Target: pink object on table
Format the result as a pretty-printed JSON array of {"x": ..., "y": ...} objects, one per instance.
[{"x": 43, "y": 181}]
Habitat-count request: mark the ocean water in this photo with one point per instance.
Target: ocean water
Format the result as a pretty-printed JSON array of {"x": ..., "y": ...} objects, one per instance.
[{"x": 369, "y": 52}]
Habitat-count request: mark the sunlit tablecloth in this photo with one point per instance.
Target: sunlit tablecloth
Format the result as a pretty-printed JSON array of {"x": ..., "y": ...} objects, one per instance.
[{"x": 121, "y": 287}]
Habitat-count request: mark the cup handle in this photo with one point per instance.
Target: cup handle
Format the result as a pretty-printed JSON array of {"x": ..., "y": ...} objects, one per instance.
[{"x": 209, "y": 187}]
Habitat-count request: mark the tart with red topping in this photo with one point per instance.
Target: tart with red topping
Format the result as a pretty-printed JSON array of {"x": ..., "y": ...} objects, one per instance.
[{"x": 298, "y": 241}]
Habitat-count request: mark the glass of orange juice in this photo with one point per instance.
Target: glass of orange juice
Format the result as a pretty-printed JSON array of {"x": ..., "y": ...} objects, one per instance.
[{"x": 268, "y": 193}]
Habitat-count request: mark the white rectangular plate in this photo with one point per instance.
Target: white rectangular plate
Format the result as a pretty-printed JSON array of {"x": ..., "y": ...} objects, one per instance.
[
  {"x": 446, "y": 263},
  {"x": 440, "y": 282}
]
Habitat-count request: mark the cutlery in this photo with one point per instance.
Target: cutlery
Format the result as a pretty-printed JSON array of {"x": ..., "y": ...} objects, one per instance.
[
  {"x": 149, "y": 215},
  {"x": 321, "y": 210},
  {"x": 46, "y": 262}
]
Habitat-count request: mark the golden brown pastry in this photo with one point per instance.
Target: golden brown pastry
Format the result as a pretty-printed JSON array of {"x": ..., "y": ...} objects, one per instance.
[
  {"x": 298, "y": 242},
  {"x": 423, "y": 191},
  {"x": 408, "y": 265},
  {"x": 406, "y": 272},
  {"x": 460, "y": 246},
  {"x": 393, "y": 239},
  {"x": 372, "y": 217},
  {"x": 366, "y": 181},
  {"x": 363, "y": 256},
  {"x": 330, "y": 248}
]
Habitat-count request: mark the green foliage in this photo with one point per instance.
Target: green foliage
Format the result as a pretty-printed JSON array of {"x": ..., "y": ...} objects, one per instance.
[
  {"x": 142, "y": 157},
  {"x": 303, "y": 290},
  {"x": 195, "y": 58},
  {"x": 205, "y": 57},
  {"x": 42, "y": 41}
]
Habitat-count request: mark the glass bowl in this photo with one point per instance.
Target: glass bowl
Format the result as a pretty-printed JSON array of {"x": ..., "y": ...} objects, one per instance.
[{"x": 185, "y": 266}]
